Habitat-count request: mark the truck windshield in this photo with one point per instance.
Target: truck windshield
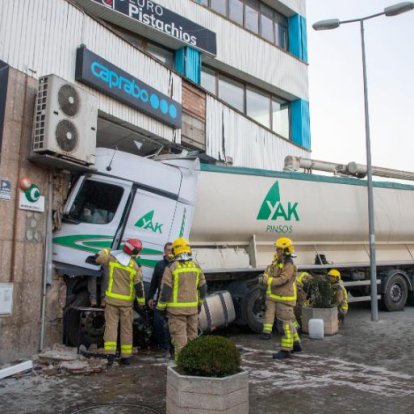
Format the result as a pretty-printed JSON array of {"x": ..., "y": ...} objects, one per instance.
[{"x": 96, "y": 202}]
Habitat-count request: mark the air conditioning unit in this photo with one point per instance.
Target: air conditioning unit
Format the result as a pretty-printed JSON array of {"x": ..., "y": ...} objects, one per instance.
[{"x": 65, "y": 121}]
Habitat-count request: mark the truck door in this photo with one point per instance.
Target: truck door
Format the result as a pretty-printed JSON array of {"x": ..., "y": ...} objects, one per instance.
[
  {"x": 150, "y": 220},
  {"x": 91, "y": 218}
]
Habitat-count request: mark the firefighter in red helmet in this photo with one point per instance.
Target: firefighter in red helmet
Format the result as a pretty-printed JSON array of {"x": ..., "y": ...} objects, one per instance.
[{"x": 122, "y": 285}]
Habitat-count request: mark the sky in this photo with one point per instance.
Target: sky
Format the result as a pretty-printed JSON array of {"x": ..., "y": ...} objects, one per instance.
[{"x": 336, "y": 84}]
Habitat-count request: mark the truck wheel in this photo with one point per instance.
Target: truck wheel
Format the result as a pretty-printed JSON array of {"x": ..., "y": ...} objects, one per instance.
[
  {"x": 395, "y": 295},
  {"x": 254, "y": 309}
]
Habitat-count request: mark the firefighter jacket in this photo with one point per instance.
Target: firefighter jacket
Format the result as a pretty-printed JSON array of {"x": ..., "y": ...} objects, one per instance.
[
  {"x": 183, "y": 288},
  {"x": 341, "y": 297},
  {"x": 279, "y": 278},
  {"x": 122, "y": 278}
]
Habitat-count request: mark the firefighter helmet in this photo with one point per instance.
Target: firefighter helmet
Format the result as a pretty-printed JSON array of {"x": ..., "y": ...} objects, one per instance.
[
  {"x": 133, "y": 247},
  {"x": 285, "y": 244},
  {"x": 334, "y": 273},
  {"x": 181, "y": 245}
]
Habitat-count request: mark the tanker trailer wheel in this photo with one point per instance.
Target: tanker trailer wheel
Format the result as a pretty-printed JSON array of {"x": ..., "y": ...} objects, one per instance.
[
  {"x": 395, "y": 295},
  {"x": 254, "y": 308}
]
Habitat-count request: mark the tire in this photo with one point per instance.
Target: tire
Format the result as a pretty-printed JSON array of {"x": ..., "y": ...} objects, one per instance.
[
  {"x": 253, "y": 308},
  {"x": 395, "y": 295}
]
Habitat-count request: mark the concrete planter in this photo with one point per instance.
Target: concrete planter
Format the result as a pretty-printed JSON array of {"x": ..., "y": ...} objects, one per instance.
[
  {"x": 328, "y": 315},
  {"x": 204, "y": 395}
]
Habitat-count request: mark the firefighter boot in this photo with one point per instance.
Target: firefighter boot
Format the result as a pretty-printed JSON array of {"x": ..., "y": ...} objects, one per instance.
[
  {"x": 125, "y": 361},
  {"x": 282, "y": 354},
  {"x": 111, "y": 359},
  {"x": 265, "y": 336},
  {"x": 297, "y": 347}
]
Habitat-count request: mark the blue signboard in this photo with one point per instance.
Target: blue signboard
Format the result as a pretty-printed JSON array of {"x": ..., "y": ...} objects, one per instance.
[
  {"x": 4, "y": 78},
  {"x": 98, "y": 73}
]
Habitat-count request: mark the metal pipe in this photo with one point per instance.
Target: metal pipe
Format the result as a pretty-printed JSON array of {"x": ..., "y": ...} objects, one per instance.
[{"x": 47, "y": 269}]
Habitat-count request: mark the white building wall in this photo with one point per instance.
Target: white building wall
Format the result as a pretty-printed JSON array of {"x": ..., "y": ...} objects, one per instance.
[
  {"x": 230, "y": 134},
  {"x": 40, "y": 37},
  {"x": 247, "y": 53}
]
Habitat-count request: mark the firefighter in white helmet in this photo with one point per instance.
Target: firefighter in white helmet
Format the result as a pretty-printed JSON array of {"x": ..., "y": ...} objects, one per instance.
[
  {"x": 341, "y": 295},
  {"x": 279, "y": 279},
  {"x": 183, "y": 289},
  {"x": 122, "y": 285}
]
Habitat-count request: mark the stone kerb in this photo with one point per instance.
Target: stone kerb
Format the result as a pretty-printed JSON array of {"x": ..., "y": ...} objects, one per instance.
[{"x": 204, "y": 395}]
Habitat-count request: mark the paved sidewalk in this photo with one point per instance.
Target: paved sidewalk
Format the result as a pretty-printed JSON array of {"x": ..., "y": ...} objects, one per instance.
[{"x": 367, "y": 368}]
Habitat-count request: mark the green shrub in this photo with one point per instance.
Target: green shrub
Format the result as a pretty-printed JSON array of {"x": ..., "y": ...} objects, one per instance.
[
  {"x": 320, "y": 292},
  {"x": 209, "y": 356}
]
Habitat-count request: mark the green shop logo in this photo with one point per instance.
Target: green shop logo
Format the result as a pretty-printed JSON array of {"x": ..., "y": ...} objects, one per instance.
[
  {"x": 272, "y": 208},
  {"x": 146, "y": 222}
]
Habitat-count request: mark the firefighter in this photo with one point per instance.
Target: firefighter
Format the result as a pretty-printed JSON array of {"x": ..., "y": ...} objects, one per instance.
[
  {"x": 183, "y": 289},
  {"x": 301, "y": 280},
  {"x": 279, "y": 278},
  {"x": 341, "y": 295},
  {"x": 122, "y": 284}
]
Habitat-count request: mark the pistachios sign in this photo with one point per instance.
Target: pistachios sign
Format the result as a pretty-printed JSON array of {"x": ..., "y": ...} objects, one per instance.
[{"x": 280, "y": 214}]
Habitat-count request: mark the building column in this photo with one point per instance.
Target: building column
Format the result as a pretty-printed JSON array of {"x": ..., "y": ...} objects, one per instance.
[
  {"x": 298, "y": 40},
  {"x": 299, "y": 112},
  {"x": 188, "y": 63}
]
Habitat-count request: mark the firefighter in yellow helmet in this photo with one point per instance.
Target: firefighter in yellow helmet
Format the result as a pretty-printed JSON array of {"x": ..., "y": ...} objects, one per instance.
[
  {"x": 341, "y": 295},
  {"x": 301, "y": 281},
  {"x": 183, "y": 289},
  {"x": 122, "y": 285},
  {"x": 279, "y": 279}
]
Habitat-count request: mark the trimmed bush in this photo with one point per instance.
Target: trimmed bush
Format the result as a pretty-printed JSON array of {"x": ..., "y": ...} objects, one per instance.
[
  {"x": 320, "y": 292},
  {"x": 209, "y": 356}
]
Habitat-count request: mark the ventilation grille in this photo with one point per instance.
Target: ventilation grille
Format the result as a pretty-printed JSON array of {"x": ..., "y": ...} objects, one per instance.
[{"x": 40, "y": 115}]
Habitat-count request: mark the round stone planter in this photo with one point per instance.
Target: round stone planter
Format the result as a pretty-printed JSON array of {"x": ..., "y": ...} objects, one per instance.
[
  {"x": 187, "y": 394},
  {"x": 328, "y": 315}
]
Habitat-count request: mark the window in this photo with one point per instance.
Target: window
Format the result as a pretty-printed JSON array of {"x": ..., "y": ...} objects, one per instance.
[
  {"x": 164, "y": 55},
  {"x": 232, "y": 92},
  {"x": 280, "y": 117},
  {"x": 252, "y": 16},
  {"x": 219, "y": 6},
  {"x": 266, "y": 23},
  {"x": 236, "y": 11},
  {"x": 258, "y": 106},
  {"x": 96, "y": 202},
  {"x": 208, "y": 80}
]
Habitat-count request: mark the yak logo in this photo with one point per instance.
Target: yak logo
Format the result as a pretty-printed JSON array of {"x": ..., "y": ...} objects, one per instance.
[
  {"x": 272, "y": 208},
  {"x": 146, "y": 222}
]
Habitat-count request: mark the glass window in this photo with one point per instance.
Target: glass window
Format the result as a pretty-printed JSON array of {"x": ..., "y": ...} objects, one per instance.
[
  {"x": 281, "y": 31},
  {"x": 203, "y": 2},
  {"x": 219, "y": 6},
  {"x": 266, "y": 23},
  {"x": 258, "y": 106},
  {"x": 280, "y": 118},
  {"x": 208, "y": 80},
  {"x": 232, "y": 92},
  {"x": 96, "y": 202},
  {"x": 252, "y": 16},
  {"x": 161, "y": 54},
  {"x": 236, "y": 11}
]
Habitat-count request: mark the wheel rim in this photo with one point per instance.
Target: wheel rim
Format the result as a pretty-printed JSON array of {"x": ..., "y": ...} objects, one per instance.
[{"x": 396, "y": 293}]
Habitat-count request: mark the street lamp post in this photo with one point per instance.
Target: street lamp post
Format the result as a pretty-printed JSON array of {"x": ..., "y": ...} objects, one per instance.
[{"x": 330, "y": 24}]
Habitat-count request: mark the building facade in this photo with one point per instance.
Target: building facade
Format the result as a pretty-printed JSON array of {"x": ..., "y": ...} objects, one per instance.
[{"x": 225, "y": 79}]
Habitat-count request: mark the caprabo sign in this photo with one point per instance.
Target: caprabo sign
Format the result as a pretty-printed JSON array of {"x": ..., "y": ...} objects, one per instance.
[
  {"x": 281, "y": 213},
  {"x": 98, "y": 73}
]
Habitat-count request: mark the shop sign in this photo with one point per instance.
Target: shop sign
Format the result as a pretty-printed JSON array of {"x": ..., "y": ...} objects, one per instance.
[
  {"x": 31, "y": 199},
  {"x": 98, "y": 73},
  {"x": 157, "y": 17},
  {"x": 4, "y": 77}
]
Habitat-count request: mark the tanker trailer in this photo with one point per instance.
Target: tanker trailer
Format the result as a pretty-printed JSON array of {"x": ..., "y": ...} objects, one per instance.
[{"x": 240, "y": 212}]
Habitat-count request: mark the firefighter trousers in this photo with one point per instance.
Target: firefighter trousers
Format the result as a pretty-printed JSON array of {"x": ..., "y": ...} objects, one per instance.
[
  {"x": 286, "y": 315},
  {"x": 113, "y": 316},
  {"x": 183, "y": 328},
  {"x": 270, "y": 316}
]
